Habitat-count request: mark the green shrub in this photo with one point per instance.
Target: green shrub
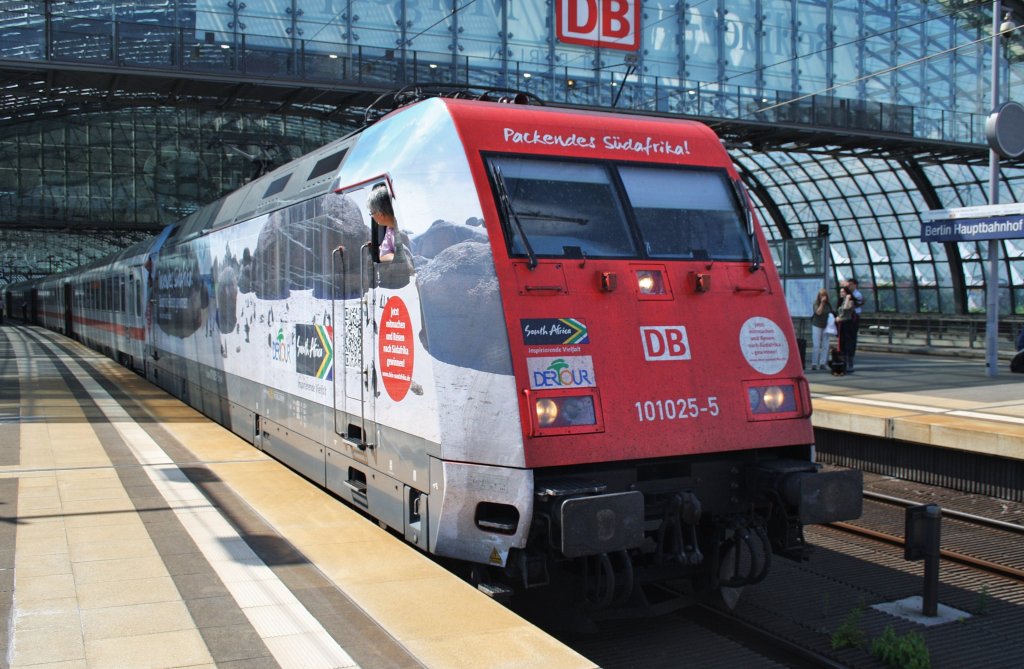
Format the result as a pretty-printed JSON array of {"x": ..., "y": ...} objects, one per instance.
[
  {"x": 981, "y": 604},
  {"x": 901, "y": 652},
  {"x": 849, "y": 634}
]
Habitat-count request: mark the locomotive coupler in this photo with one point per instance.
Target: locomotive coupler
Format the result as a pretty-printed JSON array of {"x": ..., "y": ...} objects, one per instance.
[{"x": 677, "y": 534}]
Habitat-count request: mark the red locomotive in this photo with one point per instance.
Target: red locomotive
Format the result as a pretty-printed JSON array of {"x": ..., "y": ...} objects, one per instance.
[{"x": 547, "y": 342}]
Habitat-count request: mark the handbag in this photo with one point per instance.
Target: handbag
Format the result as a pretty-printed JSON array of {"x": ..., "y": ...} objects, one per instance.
[{"x": 830, "y": 327}]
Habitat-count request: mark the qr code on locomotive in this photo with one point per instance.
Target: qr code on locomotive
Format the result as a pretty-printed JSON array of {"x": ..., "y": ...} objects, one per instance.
[{"x": 353, "y": 338}]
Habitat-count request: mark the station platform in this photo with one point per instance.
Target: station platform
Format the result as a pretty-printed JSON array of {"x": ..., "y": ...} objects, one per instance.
[
  {"x": 938, "y": 401},
  {"x": 136, "y": 533}
]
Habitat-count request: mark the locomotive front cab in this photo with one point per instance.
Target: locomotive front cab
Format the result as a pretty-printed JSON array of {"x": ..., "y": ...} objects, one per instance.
[{"x": 664, "y": 414}]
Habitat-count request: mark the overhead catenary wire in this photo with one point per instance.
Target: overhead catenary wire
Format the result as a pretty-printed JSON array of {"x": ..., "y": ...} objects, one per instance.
[
  {"x": 877, "y": 73},
  {"x": 834, "y": 47}
]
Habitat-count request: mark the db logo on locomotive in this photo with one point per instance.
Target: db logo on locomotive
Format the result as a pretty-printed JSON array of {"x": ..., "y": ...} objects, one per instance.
[{"x": 665, "y": 342}]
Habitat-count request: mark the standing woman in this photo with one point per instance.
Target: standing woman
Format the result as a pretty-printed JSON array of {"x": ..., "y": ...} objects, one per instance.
[
  {"x": 820, "y": 311},
  {"x": 845, "y": 316}
]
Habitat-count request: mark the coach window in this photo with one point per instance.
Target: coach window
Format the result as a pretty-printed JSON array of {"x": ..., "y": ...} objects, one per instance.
[
  {"x": 563, "y": 208},
  {"x": 686, "y": 213}
]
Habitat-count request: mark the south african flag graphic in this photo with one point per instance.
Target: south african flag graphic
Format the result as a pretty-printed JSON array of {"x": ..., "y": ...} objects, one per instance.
[{"x": 314, "y": 351}]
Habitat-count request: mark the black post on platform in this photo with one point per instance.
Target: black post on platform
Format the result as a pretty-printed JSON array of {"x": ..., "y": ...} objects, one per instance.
[{"x": 923, "y": 533}]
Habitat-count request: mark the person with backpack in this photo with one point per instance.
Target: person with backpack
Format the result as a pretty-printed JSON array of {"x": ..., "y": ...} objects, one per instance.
[
  {"x": 847, "y": 337},
  {"x": 853, "y": 328}
]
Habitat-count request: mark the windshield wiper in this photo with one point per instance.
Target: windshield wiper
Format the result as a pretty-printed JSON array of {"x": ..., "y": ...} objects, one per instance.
[
  {"x": 510, "y": 212},
  {"x": 748, "y": 215},
  {"x": 542, "y": 216}
]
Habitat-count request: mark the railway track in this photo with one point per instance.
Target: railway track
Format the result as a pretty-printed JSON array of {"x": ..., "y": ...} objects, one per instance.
[
  {"x": 982, "y": 543},
  {"x": 699, "y": 636},
  {"x": 789, "y": 620},
  {"x": 771, "y": 645}
]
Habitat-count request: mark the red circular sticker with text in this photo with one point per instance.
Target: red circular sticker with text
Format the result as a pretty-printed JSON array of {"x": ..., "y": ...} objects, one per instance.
[{"x": 395, "y": 349}]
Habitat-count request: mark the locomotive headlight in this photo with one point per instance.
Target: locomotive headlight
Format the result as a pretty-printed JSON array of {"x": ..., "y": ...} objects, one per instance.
[
  {"x": 547, "y": 412},
  {"x": 766, "y": 401},
  {"x": 774, "y": 398},
  {"x": 650, "y": 282},
  {"x": 568, "y": 413}
]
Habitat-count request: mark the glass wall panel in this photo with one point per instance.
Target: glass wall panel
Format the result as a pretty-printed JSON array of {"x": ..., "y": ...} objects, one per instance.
[
  {"x": 741, "y": 43},
  {"x": 662, "y": 53},
  {"x": 377, "y": 25},
  {"x": 430, "y": 27},
  {"x": 897, "y": 249},
  {"x": 906, "y": 300},
  {"x": 846, "y": 54},
  {"x": 480, "y": 30},
  {"x": 529, "y": 34},
  {"x": 812, "y": 48},
  {"x": 882, "y": 276},
  {"x": 779, "y": 46},
  {"x": 701, "y": 42}
]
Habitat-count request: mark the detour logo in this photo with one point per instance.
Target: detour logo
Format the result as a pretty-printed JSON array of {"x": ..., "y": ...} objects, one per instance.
[{"x": 571, "y": 371}]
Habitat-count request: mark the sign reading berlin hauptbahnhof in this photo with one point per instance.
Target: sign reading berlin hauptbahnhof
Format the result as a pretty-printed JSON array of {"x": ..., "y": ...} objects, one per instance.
[{"x": 969, "y": 224}]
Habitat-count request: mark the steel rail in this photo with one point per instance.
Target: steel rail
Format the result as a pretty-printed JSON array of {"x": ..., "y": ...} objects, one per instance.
[
  {"x": 951, "y": 556},
  {"x": 951, "y": 513}
]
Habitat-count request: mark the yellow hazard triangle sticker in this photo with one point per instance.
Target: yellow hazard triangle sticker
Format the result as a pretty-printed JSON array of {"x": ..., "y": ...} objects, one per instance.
[{"x": 495, "y": 556}]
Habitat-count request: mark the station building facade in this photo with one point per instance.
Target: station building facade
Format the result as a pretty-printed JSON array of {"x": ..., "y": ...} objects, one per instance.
[{"x": 879, "y": 69}]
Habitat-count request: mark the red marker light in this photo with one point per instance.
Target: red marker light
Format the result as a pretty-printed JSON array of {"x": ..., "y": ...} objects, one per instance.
[{"x": 609, "y": 281}]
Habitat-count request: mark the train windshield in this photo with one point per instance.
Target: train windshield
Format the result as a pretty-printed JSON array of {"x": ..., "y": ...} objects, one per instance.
[
  {"x": 573, "y": 209},
  {"x": 563, "y": 209},
  {"x": 686, "y": 213}
]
